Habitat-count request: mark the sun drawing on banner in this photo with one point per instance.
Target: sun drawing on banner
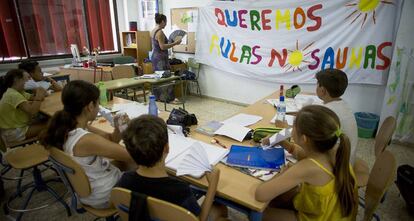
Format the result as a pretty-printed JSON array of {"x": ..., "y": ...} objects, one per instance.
[
  {"x": 297, "y": 57},
  {"x": 365, "y": 7}
]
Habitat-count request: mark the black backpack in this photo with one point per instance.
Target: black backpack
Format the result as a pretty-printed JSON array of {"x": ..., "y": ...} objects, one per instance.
[{"x": 405, "y": 183}]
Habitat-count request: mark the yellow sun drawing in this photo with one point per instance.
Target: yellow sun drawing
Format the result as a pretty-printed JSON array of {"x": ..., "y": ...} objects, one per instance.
[
  {"x": 365, "y": 7},
  {"x": 296, "y": 57}
]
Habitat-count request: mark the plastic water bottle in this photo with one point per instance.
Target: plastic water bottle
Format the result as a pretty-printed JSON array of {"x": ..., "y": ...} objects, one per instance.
[
  {"x": 152, "y": 107},
  {"x": 281, "y": 109},
  {"x": 103, "y": 99}
]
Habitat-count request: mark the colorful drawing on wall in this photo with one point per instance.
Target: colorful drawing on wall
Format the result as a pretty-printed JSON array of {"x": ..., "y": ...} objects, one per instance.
[{"x": 365, "y": 7}]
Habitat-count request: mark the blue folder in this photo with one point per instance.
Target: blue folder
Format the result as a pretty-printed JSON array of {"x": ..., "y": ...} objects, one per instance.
[{"x": 256, "y": 157}]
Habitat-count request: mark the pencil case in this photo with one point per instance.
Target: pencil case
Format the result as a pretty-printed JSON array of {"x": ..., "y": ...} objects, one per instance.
[{"x": 262, "y": 132}]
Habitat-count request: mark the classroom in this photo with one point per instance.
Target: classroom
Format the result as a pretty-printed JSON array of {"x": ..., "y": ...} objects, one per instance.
[{"x": 206, "y": 110}]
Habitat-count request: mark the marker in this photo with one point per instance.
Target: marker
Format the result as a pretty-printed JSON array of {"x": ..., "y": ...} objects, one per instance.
[{"x": 215, "y": 141}]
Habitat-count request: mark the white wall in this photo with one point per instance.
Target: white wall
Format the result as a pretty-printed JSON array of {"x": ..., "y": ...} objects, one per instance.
[{"x": 219, "y": 84}]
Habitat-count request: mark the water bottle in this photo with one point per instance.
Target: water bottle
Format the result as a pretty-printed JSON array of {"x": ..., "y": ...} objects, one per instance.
[
  {"x": 281, "y": 109},
  {"x": 152, "y": 107},
  {"x": 103, "y": 99}
]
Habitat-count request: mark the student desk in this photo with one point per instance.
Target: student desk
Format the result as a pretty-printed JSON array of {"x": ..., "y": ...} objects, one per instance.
[
  {"x": 236, "y": 189},
  {"x": 91, "y": 75}
]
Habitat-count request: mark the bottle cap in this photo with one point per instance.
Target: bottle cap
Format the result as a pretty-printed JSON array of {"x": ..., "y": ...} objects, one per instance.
[
  {"x": 152, "y": 96},
  {"x": 282, "y": 98}
]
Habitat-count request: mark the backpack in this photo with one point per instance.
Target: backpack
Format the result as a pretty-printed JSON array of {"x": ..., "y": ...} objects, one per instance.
[
  {"x": 164, "y": 94},
  {"x": 405, "y": 183}
]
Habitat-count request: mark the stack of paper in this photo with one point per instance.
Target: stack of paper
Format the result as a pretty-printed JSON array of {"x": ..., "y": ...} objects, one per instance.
[
  {"x": 278, "y": 137},
  {"x": 243, "y": 119},
  {"x": 294, "y": 105},
  {"x": 183, "y": 150},
  {"x": 194, "y": 162},
  {"x": 290, "y": 104}
]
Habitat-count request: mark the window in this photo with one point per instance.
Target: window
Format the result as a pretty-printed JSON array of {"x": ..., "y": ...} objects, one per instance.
[{"x": 48, "y": 27}]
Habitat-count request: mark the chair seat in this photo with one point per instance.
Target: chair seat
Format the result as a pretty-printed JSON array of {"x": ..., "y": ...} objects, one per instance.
[
  {"x": 361, "y": 170},
  {"x": 27, "y": 157},
  {"x": 100, "y": 212}
]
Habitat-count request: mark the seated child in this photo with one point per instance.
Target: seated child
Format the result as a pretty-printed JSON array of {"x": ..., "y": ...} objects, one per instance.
[
  {"x": 37, "y": 79},
  {"x": 17, "y": 108},
  {"x": 146, "y": 139},
  {"x": 69, "y": 131},
  {"x": 327, "y": 184},
  {"x": 332, "y": 84}
]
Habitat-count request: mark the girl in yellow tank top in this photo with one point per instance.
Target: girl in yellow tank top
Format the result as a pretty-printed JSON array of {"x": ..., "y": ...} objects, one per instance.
[{"x": 323, "y": 172}]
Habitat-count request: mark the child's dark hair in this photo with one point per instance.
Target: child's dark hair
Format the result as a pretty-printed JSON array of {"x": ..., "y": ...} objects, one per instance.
[
  {"x": 29, "y": 65},
  {"x": 7, "y": 80},
  {"x": 321, "y": 125},
  {"x": 335, "y": 81},
  {"x": 145, "y": 139},
  {"x": 160, "y": 18},
  {"x": 75, "y": 96}
]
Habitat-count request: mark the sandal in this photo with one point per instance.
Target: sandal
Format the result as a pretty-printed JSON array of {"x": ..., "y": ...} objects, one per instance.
[{"x": 293, "y": 91}]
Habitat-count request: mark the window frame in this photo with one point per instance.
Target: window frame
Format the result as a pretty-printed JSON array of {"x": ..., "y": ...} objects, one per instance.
[{"x": 63, "y": 56}]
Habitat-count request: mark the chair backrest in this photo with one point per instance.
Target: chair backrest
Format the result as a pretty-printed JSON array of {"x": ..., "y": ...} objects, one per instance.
[
  {"x": 381, "y": 177},
  {"x": 384, "y": 135},
  {"x": 77, "y": 178},
  {"x": 158, "y": 209},
  {"x": 191, "y": 63},
  {"x": 163, "y": 210},
  {"x": 124, "y": 60},
  {"x": 123, "y": 71}
]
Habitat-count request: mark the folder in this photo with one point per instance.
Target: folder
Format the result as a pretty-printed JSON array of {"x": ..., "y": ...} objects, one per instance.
[{"x": 256, "y": 157}]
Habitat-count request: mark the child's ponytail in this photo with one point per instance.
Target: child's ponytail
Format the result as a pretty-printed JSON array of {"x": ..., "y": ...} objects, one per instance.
[{"x": 345, "y": 183}]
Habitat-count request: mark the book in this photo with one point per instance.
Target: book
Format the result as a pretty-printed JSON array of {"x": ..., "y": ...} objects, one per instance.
[
  {"x": 209, "y": 128},
  {"x": 191, "y": 157},
  {"x": 256, "y": 157}
]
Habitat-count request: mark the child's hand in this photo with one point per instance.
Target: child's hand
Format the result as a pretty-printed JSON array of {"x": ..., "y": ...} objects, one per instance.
[
  {"x": 289, "y": 147},
  {"x": 40, "y": 93},
  {"x": 265, "y": 141},
  {"x": 121, "y": 121}
]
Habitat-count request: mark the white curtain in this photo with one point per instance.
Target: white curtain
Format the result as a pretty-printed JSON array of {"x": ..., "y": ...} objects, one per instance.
[{"x": 399, "y": 99}]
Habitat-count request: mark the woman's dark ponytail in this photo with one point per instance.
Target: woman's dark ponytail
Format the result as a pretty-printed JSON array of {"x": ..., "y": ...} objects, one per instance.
[{"x": 58, "y": 128}]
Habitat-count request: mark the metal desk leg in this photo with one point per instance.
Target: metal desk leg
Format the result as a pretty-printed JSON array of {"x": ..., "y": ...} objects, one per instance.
[
  {"x": 255, "y": 216},
  {"x": 182, "y": 93}
]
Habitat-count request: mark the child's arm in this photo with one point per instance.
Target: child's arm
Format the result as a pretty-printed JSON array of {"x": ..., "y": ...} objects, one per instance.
[
  {"x": 54, "y": 85},
  {"x": 93, "y": 144},
  {"x": 281, "y": 183},
  {"x": 293, "y": 149}
]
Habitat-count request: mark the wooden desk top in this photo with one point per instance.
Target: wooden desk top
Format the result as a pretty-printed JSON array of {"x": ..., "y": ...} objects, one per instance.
[
  {"x": 233, "y": 185},
  {"x": 131, "y": 82},
  {"x": 104, "y": 68}
]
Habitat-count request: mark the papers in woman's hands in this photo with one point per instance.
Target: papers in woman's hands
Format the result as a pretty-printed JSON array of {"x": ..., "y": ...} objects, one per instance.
[
  {"x": 243, "y": 119},
  {"x": 194, "y": 162},
  {"x": 234, "y": 131},
  {"x": 278, "y": 137}
]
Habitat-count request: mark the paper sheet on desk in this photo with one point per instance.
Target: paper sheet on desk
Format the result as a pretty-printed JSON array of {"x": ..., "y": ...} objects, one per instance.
[
  {"x": 290, "y": 104},
  {"x": 132, "y": 109},
  {"x": 233, "y": 131},
  {"x": 243, "y": 119},
  {"x": 289, "y": 119},
  {"x": 178, "y": 145},
  {"x": 278, "y": 137}
]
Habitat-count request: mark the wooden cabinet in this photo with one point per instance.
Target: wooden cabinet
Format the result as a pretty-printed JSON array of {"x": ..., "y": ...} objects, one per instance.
[{"x": 136, "y": 44}]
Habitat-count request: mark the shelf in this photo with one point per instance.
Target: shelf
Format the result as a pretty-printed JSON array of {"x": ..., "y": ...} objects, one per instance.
[
  {"x": 130, "y": 47},
  {"x": 129, "y": 32}
]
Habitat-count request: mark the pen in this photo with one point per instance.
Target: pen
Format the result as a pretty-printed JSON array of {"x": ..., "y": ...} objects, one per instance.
[{"x": 215, "y": 141}]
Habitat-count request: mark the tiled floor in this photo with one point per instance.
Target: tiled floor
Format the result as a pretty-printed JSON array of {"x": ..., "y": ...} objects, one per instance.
[{"x": 208, "y": 109}]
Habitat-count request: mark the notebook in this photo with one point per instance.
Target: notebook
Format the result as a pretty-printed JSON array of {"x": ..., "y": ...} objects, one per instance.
[
  {"x": 191, "y": 157},
  {"x": 256, "y": 157},
  {"x": 209, "y": 128}
]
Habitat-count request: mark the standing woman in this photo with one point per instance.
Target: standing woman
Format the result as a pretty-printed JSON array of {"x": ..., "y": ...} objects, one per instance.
[{"x": 160, "y": 44}]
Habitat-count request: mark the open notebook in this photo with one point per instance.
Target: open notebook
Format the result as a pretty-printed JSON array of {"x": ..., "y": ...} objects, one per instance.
[{"x": 191, "y": 157}]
